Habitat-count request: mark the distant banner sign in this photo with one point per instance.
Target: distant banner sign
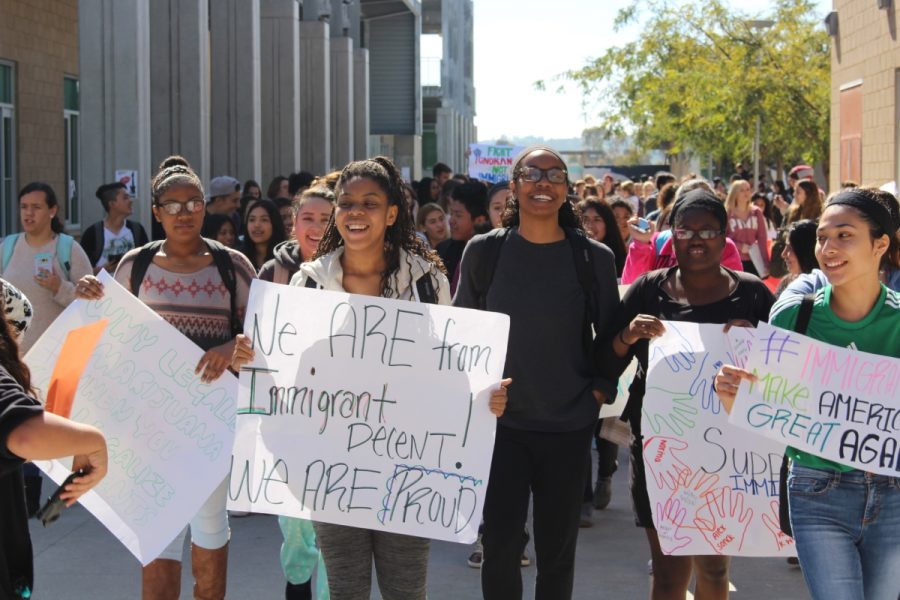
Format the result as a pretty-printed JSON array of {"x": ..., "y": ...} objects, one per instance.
[
  {"x": 115, "y": 364},
  {"x": 713, "y": 488},
  {"x": 491, "y": 163},
  {"x": 366, "y": 411},
  {"x": 837, "y": 403}
]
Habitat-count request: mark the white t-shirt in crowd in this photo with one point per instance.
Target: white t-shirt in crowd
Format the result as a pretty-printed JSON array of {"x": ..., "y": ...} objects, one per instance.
[{"x": 115, "y": 244}]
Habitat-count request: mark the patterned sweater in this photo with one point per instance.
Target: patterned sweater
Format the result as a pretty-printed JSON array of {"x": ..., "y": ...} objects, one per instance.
[{"x": 196, "y": 304}]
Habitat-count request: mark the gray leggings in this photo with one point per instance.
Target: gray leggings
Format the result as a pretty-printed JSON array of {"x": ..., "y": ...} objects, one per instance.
[{"x": 401, "y": 562}]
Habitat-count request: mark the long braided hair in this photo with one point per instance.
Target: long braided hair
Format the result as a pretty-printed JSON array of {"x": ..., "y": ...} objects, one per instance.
[
  {"x": 510, "y": 218},
  {"x": 402, "y": 234}
]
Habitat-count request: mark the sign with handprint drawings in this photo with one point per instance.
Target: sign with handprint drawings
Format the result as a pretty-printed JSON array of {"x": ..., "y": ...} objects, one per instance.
[{"x": 712, "y": 486}]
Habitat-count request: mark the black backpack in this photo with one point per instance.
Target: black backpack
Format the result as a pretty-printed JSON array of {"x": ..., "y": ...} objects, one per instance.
[
  {"x": 492, "y": 244},
  {"x": 221, "y": 258},
  {"x": 784, "y": 513}
]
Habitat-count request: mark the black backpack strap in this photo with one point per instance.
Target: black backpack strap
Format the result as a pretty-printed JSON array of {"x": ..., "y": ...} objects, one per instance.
[
  {"x": 483, "y": 270},
  {"x": 784, "y": 511},
  {"x": 141, "y": 263},
  {"x": 311, "y": 283},
  {"x": 425, "y": 289},
  {"x": 99, "y": 242},
  {"x": 806, "y": 307},
  {"x": 224, "y": 264},
  {"x": 584, "y": 269}
]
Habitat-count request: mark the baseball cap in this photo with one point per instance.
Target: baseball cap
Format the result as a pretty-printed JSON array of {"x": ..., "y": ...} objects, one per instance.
[
  {"x": 802, "y": 172},
  {"x": 222, "y": 186}
]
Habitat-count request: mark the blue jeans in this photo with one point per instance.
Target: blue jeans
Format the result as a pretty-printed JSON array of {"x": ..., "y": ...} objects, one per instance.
[{"x": 847, "y": 531}]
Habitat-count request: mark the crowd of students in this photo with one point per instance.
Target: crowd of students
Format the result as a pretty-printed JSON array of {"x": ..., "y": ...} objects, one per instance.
[{"x": 545, "y": 250}]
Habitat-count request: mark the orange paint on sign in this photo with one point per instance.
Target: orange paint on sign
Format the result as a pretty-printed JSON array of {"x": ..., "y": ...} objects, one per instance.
[{"x": 73, "y": 359}]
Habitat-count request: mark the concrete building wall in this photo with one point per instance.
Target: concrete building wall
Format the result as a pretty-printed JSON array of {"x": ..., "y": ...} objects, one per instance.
[
  {"x": 867, "y": 50},
  {"x": 280, "y": 76},
  {"x": 40, "y": 39},
  {"x": 114, "y": 62}
]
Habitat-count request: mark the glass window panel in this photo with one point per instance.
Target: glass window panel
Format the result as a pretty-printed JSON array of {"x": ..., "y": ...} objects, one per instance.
[
  {"x": 5, "y": 84},
  {"x": 70, "y": 93}
]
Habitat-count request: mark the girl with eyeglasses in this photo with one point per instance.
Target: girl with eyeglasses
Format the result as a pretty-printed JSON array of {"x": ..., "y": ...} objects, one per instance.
[
  {"x": 845, "y": 521},
  {"x": 542, "y": 444},
  {"x": 652, "y": 249},
  {"x": 183, "y": 285},
  {"x": 699, "y": 290}
]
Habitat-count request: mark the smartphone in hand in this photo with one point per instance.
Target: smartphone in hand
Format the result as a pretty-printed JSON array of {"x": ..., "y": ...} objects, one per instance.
[
  {"x": 642, "y": 225},
  {"x": 43, "y": 262},
  {"x": 50, "y": 512}
]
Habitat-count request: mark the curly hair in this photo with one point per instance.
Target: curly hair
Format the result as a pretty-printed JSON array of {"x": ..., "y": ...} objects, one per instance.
[
  {"x": 402, "y": 234},
  {"x": 510, "y": 218}
]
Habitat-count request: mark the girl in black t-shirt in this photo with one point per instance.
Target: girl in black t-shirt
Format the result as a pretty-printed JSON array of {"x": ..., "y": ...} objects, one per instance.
[{"x": 698, "y": 290}]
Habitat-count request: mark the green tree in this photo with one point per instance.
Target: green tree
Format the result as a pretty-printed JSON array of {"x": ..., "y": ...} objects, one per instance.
[{"x": 700, "y": 73}]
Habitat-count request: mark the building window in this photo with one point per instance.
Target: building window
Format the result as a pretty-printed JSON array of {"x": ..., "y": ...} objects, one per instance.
[
  {"x": 73, "y": 179},
  {"x": 8, "y": 213}
]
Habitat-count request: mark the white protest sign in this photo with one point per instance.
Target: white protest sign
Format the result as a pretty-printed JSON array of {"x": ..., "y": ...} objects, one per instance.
[
  {"x": 713, "y": 488},
  {"x": 169, "y": 436},
  {"x": 492, "y": 163},
  {"x": 833, "y": 402},
  {"x": 366, "y": 411}
]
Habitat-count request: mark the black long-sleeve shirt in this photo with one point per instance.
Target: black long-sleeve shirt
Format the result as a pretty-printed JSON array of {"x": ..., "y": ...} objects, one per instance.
[{"x": 537, "y": 286}]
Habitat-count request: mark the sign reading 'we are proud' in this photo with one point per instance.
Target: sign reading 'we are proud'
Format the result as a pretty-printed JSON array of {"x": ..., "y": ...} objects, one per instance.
[{"x": 367, "y": 411}]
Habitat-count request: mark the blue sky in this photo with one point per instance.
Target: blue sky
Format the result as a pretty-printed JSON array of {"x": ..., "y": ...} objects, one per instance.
[{"x": 517, "y": 43}]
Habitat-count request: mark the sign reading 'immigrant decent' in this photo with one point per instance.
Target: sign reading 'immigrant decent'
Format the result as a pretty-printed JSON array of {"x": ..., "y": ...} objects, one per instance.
[
  {"x": 169, "y": 435},
  {"x": 366, "y": 411},
  {"x": 713, "y": 488},
  {"x": 491, "y": 163},
  {"x": 836, "y": 403}
]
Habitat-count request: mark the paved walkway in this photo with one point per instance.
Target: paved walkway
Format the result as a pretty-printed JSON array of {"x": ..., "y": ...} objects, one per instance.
[{"x": 77, "y": 559}]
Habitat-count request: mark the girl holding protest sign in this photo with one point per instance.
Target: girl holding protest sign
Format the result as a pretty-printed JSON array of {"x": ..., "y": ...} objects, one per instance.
[
  {"x": 845, "y": 521},
  {"x": 370, "y": 247},
  {"x": 698, "y": 290},
  {"x": 28, "y": 433},
  {"x": 201, "y": 288},
  {"x": 559, "y": 288}
]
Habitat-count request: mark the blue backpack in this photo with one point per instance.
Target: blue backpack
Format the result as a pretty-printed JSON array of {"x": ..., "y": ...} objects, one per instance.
[{"x": 63, "y": 251}]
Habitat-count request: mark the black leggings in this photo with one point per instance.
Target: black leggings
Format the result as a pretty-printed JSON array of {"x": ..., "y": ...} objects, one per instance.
[{"x": 551, "y": 468}]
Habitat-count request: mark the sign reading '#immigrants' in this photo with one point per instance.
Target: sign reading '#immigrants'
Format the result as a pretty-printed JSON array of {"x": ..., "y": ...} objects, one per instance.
[
  {"x": 713, "y": 488},
  {"x": 116, "y": 364},
  {"x": 837, "y": 403},
  {"x": 367, "y": 411}
]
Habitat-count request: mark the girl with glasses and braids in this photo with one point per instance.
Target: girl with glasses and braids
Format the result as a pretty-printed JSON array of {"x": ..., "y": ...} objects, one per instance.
[
  {"x": 845, "y": 521},
  {"x": 698, "y": 290},
  {"x": 184, "y": 286},
  {"x": 542, "y": 444},
  {"x": 370, "y": 247}
]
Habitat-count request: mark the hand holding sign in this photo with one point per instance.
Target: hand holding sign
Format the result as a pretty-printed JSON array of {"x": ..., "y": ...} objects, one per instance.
[{"x": 724, "y": 520}]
